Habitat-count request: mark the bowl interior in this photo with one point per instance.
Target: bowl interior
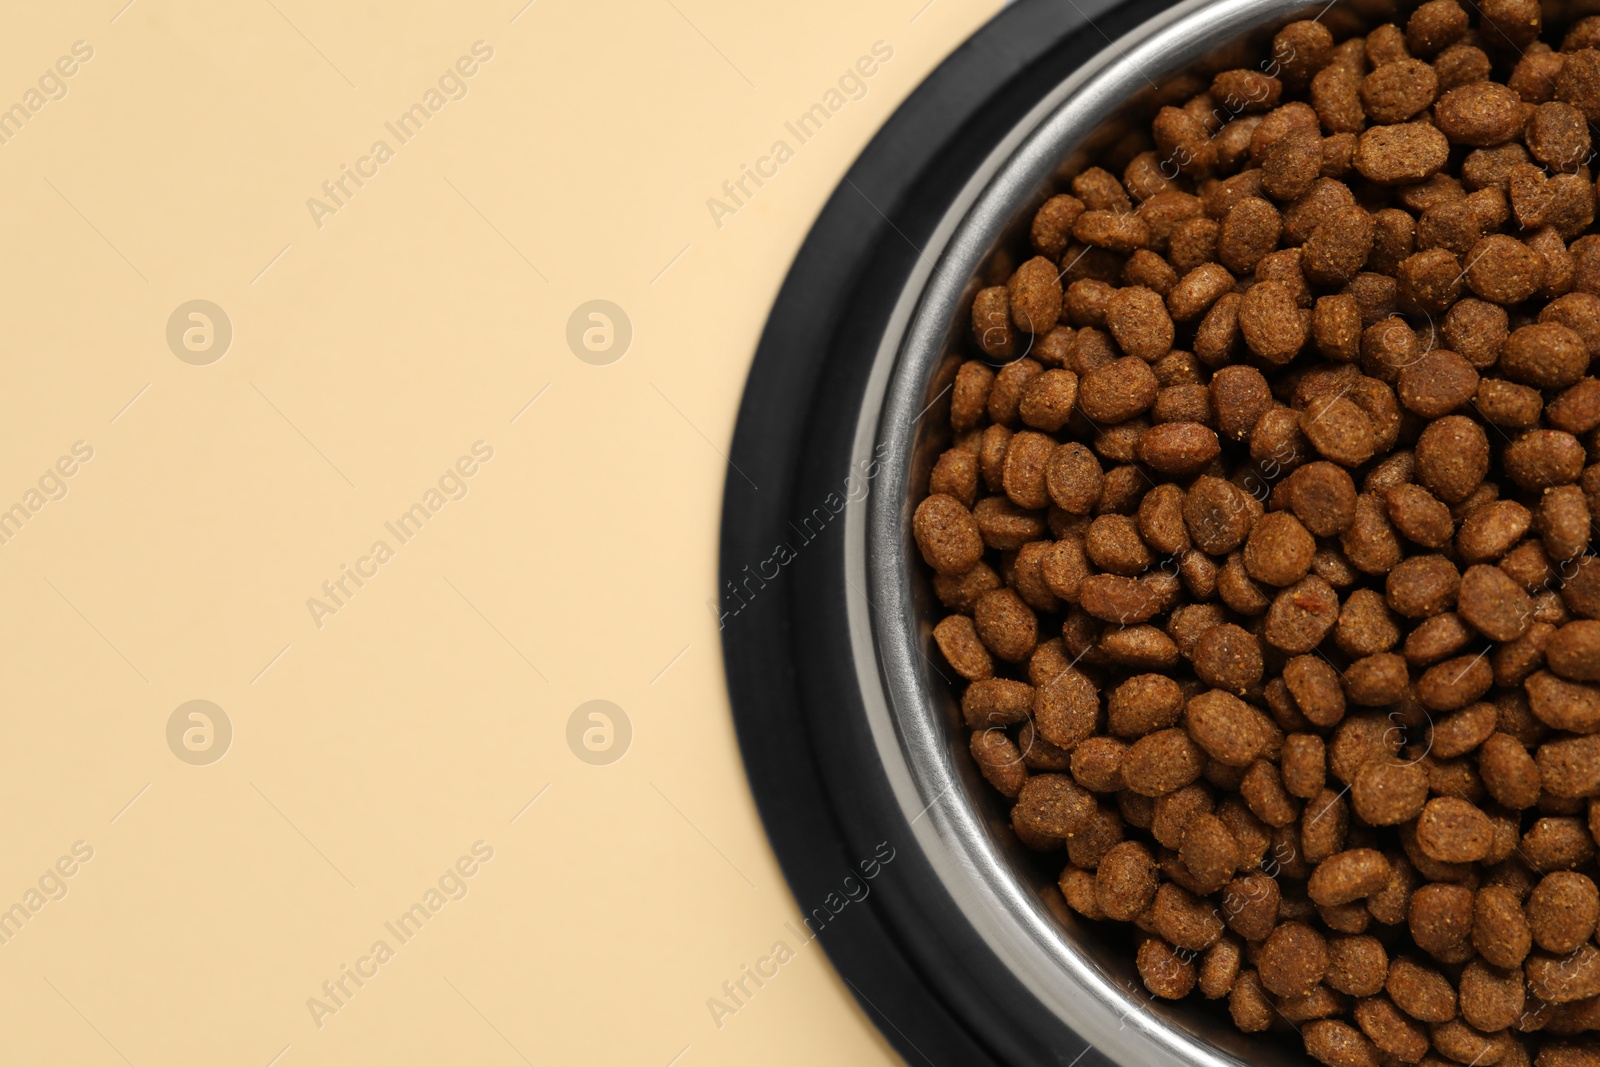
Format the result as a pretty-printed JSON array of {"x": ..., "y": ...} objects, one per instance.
[{"x": 1097, "y": 116}]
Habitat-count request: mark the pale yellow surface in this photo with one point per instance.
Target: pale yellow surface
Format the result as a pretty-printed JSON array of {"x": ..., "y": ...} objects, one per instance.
[{"x": 372, "y": 752}]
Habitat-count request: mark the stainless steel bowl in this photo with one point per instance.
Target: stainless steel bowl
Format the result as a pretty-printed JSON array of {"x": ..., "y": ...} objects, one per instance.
[{"x": 1073, "y": 967}]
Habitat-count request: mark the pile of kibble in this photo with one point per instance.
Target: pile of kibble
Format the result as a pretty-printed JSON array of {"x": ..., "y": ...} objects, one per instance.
[{"x": 1264, "y": 537}]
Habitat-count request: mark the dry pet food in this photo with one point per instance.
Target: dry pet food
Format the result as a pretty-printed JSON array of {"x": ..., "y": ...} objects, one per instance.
[{"x": 1264, "y": 536}]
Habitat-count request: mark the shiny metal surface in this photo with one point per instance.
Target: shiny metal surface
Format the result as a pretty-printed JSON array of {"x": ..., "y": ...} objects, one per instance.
[{"x": 1077, "y": 970}]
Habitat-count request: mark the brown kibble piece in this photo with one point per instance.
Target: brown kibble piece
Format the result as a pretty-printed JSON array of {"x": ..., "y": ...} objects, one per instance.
[
  {"x": 1420, "y": 992},
  {"x": 1366, "y": 626},
  {"x": 1440, "y": 918},
  {"x": 1397, "y": 91},
  {"x": 958, "y": 641},
  {"x": 1347, "y": 876},
  {"x": 1434, "y": 26},
  {"x": 1229, "y": 730},
  {"x": 956, "y": 475},
  {"x": 1499, "y": 929},
  {"x": 1182, "y": 140},
  {"x": 1073, "y": 478},
  {"x": 1323, "y": 497},
  {"x": 1198, "y": 290},
  {"x": 1125, "y": 884},
  {"x": 1023, "y": 471},
  {"x": 1574, "y": 651},
  {"x": 1118, "y": 391},
  {"x": 1137, "y": 317},
  {"x": 1564, "y": 522},
  {"x": 991, "y": 323},
  {"x": 1065, "y": 707},
  {"x": 1401, "y": 154},
  {"x": 1491, "y": 998},
  {"x": 1374, "y": 681},
  {"x": 1279, "y": 549},
  {"x": 1503, "y": 270},
  {"x": 1228, "y": 657},
  {"x": 947, "y": 535},
  {"x": 1248, "y": 1004},
  {"x": 969, "y": 398},
  {"x": 1261, "y": 786},
  {"x": 1357, "y": 966},
  {"x": 1557, "y": 135},
  {"x": 1419, "y": 515},
  {"x": 1391, "y": 1030},
  {"x": 1476, "y": 330},
  {"x": 1077, "y": 887},
  {"x": 1301, "y": 616},
  {"x": 1464, "y": 731},
  {"x": 1034, "y": 294},
  {"x": 1178, "y": 448},
  {"x": 1339, "y": 247},
  {"x": 1161, "y": 762},
  {"x": 1239, "y": 395},
  {"x": 1564, "y": 979},
  {"x": 1338, "y": 1044},
  {"x": 1292, "y": 163},
  {"x": 1570, "y": 768},
  {"x": 1385, "y": 793},
  {"x": 1509, "y": 773},
  {"x": 1336, "y": 327},
  {"x": 999, "y": 761},
  {"x": 1053, "y": 805},
  {"x": 1051, "y": 230},
  {"x": 1118, "y": 231},
  {"x": 1422, "y": 586},
  {"x": 1495, "y": 605},
  {"x": 1142, "y": 705},
  {"x": 1249, "y": 231},
  {"x": 1339, "y": 430},
  {"x": 1006, "y": 625},
  {"x": 1438, "y": 383},
  {"x": 1507, "y": 404},
  {"x": 1480, "y": 114},
  {"x": 1217, "y": 514},
  {"x": 1048, "y": 399},
  {"x": 996, "y": 702},
  {"x": 1451, "y": 830},
  {"x": 1461, "y": 1043},
  {"x": 1578, "y": 82},
  {"x": 1562, "y": 910},
  {"x": 1546, "y": 355},
  {"x": 1539, "y": 459},
  {"x": 1250, "y": 906},
  {"x": 1563, "y": 704},
  {"x": 1187, "y": 921},
  {"x": 1270, "y": 322},
  {"x": 1112, "y": 542},
  {"x": 1452, "y": 457},
  {"x": 1315, "y": 687},
  {"x": 1164, "y": 972},
  {"x": 1577, "y": 410},
  {"x": 1305, "y": 765},
  {"x": 1293, "y": 960},
  {"x": 1209, "y": 852},
  {"x": 1219, "y": 968}
]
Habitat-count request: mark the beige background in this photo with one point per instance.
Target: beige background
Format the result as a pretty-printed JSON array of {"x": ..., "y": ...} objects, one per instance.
[{"x": 368, "y": 355}]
